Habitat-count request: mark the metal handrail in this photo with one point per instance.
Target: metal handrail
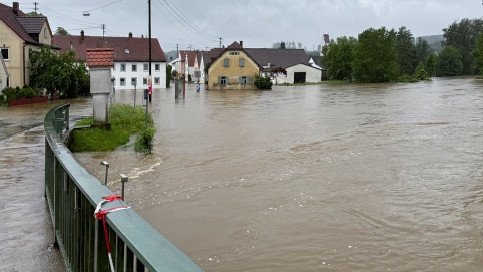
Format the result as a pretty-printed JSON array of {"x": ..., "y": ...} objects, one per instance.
[{"x": 73, "y": 193}]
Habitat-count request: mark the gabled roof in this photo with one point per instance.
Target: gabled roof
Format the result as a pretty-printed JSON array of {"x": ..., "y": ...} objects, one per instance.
[
  {"x": 26, "y": 27},
  {"x": 278, "y": 57},
  {"x": 264, "y": 56},
  {"x": 128, "y": 49},
  {"x": 32, "y": 24},
  {"x": 100, "y": 57},
  {"x": 192, "y": 55}
]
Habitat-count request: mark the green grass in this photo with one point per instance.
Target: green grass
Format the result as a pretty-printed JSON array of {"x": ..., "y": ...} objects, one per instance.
[{"x": 125, "y": 120}]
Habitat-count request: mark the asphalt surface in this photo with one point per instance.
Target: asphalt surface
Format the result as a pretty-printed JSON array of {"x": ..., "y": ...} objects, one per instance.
[{"x": 26, "y": 235}]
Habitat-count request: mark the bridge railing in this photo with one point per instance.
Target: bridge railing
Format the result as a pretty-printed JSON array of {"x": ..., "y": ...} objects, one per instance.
[{"x": 73, "y": 193}]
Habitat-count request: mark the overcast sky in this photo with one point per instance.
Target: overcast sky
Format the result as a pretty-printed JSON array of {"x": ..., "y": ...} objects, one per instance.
[{"x": 199, "y": 24}]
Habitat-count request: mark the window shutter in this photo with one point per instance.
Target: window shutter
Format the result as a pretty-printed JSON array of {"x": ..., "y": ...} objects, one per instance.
[
  {"x": 219, "y": 80},
  {"x": 248, "y": 80}
]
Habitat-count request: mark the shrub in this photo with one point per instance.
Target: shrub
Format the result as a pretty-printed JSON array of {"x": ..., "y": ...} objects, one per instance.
[
  {"x": 144, "y": 141},
  {"x": 263, "y": 83}
]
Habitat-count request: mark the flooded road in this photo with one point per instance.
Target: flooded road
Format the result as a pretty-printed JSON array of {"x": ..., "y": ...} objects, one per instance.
[
  {"x": 26, "y": 235},
  {"x": 384, "y": 177}
]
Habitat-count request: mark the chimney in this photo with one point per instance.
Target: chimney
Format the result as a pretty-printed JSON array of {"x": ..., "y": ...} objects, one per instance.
[
  {"x": 82, "y": 35},
  {"x": 15, "y": 8},
  {"x": 241, "y": 43},
  {"x": 130, "y": 34}
]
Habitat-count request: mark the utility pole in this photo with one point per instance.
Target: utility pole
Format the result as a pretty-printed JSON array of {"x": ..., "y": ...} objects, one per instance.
[
  {"x": 221, "y": 39},
  {"x": 35, "y": 7},
  {"x": 149, "y": 33},
  {"x": 103, "y": 32}
]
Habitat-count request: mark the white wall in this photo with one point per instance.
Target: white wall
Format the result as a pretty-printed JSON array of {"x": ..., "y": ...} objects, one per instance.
[
  {"x": 312, "y": 74},
  {"x": 139, "y": 74}
]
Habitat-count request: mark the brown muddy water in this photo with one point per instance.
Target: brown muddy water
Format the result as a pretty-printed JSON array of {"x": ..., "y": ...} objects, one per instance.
[{"x": 384, "y": 177}]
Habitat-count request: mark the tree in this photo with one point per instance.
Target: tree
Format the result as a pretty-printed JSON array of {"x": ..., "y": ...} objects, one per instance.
[
  {"x": 169, "y": 75},
  {"x": 406, "y": 51},
  {"x": 375, "y": 56},
  {"x": 449, "y": 62},
  {"x": 338, "y": 57},
  {"x": 60, "y": 74},
  {"x": 422, "y": 49},
  {"x": 33, "y": 13},
  {"x": 462, "y": 35},
  {"x": 61, "y": 31},
  {"x": 478, "y": 53},
  {"x": 430, "y": 63}
]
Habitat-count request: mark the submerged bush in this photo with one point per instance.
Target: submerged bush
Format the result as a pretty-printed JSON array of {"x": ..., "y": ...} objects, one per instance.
[{"x": 144, "y": 141}]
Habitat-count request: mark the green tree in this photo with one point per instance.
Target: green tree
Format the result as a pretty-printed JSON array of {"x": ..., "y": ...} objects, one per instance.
[
  {"x": 33, "y": 13},
  {"x": 430, "y": 64},
  {"x": 375, "y": 56},
  {"x": 60, "y": 74},
  {"x": 406, "y": 51},
  {"x": 61, "y": 31},
  {"x": 478, "y": 53},
  {"x": 462, "y": 35},
  {"x": 169, "y": 75},
  {"x": 338, "y": 57},
  {"x": 449, "y": 62},
  {"x": 422, "y": 50}
]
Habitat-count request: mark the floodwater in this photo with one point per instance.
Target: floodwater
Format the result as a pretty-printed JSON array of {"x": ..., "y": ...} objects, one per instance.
[
  {"x": 26, "y": 235},
  {"x": 372, "y": 177},
  {"x": 356, "y": 177}
]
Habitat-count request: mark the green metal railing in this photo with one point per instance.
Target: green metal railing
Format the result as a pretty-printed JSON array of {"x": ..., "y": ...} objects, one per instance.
[{"x": 73, "y": 193}]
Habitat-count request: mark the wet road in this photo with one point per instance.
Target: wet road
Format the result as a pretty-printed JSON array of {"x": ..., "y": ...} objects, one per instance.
[
  {"x": 26, "y": 228},
  {"x": 384, "y": 177}
]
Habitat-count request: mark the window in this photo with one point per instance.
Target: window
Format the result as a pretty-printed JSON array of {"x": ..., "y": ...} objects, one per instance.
[
  {"x": 134, "y": 68},
  {"x": 145, "y": 81},
  {"x": 226, "y": 62},
  {"x": 122, "y": 81},
  {"x": 123, "y": 67},
  {"x": 234, "y": 53},
  {"x": 145, "y": 67},
  {"x": 244, "y": 80},
  {"x": 156, "y": 81},
  {"x": 222, "y": 80},
  {"x": 5, "y": 54},
  {"x": 241, "y": 62},
  {"x": 134, "y": 81},
  {"x": 156, "y": 67}
]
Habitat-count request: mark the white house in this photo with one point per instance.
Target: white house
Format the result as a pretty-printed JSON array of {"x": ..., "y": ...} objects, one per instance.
[{"x": 131, "y": 58}]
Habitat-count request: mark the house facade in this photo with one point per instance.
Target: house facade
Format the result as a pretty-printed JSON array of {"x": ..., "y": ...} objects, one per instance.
[
  {"x": 19, "y": 35},
  {"x": 192, "y": 64},
  {"x": 234, "y": 68},
  {"x": 225, "y": 74},
  {"x": 131, "y": 58}
]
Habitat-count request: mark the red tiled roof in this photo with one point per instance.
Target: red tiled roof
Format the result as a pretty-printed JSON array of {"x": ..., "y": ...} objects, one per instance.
[
  {"x": 21, "y": 24},
  {"x": 191, "y": 56},
  {"x": 100, "y": 57},
  {"x": 129, "y": 49}
]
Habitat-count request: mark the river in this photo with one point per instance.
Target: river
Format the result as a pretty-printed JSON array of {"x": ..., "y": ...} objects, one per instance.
[{"x": 354, "y": 177}]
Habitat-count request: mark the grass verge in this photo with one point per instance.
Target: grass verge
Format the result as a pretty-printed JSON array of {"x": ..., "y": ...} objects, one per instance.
[{"x": 125, "y": 120}]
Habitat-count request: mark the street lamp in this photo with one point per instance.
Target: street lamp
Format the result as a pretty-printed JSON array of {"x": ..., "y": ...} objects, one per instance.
[
  {"x": 106, "y": 164},
  {"x": 123, "y": 180}
]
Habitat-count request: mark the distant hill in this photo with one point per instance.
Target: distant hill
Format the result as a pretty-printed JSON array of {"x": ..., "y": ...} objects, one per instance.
[{"x": 434, "y": 42}]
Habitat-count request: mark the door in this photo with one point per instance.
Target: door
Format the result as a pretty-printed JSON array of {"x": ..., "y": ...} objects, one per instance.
[{"x": 299, "y": 77}]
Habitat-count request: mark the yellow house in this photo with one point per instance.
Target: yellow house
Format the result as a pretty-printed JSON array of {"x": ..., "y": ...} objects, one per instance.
[
  {"x": 233, "y": 68},
  {"x": 19, "y": 35}
]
